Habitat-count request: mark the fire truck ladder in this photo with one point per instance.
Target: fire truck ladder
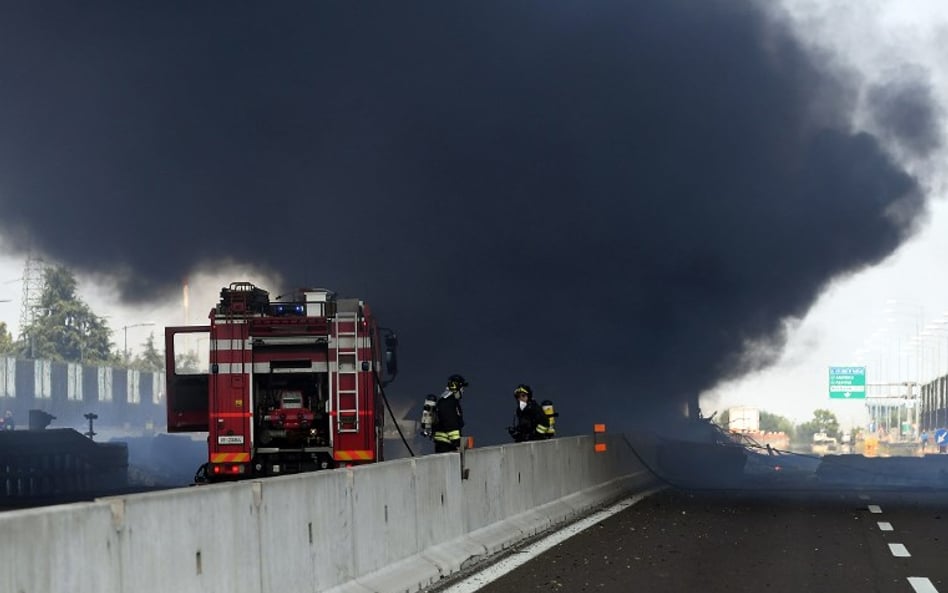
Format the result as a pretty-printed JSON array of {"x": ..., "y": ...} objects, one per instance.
[{"x": 347, "y": 365}]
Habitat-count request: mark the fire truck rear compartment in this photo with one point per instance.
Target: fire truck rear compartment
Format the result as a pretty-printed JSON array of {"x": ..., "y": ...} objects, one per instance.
[{"x": 291, "y": 422}]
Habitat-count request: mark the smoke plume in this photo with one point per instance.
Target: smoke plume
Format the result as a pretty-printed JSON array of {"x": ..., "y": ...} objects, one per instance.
[{"x": 605, "y": 200}]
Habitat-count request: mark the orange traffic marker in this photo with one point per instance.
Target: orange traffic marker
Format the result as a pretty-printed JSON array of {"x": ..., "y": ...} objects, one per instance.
[
  {"x": 470, "y": 443},
  {"x": 598, "y": 431}
]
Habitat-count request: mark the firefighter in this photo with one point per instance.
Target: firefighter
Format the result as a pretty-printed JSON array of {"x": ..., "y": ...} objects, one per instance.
[
  {"x": 448, "y": 416},
  {"x": 530, "y": 423}
]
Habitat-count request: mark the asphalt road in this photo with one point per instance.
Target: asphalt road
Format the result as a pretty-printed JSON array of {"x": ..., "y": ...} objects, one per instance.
[{"x": 752, "y": 541}]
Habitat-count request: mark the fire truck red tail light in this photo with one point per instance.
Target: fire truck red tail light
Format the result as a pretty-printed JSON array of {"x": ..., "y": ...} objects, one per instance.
[{"x": 225, "y": 469}]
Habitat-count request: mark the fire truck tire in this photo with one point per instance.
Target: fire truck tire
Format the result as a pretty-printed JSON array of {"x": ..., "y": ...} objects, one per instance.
[{"x": 200, "y": 476}]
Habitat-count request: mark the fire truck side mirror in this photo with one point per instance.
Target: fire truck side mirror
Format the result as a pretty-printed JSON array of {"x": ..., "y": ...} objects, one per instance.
[{"x": 391, "y": 354}]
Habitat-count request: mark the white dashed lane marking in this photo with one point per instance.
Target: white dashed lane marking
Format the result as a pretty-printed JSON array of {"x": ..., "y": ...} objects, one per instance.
[
  {"x": 922, "y": 585},
  {"x": 899, "y": 551},
  {"x": 919, "y": 584}
]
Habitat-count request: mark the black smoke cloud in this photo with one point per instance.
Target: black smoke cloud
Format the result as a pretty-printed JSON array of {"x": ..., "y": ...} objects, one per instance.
[
  {"x": 905, "y": 113},
  {"x": 606, "y": 200}
]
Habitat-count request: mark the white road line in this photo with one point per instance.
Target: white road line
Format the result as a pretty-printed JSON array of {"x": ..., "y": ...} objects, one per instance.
[
  {"x": 874, "y": 508},
  {"x": 922, "y": 585},
  {"x": 899, "y": 551},
  {"x": 495, "y": 571},
  {"x": 885, "y": 526},
  {"x": 863, "y": 497}
]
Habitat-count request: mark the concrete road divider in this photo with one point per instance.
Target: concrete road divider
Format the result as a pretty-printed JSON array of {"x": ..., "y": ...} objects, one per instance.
[{"x": 394, "y": 526}]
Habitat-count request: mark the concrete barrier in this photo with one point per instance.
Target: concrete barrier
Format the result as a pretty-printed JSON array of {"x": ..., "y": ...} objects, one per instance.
[
  {"x": 193, "y": 539},
  {"x": 295, "y": 527},
  {"x": 394, "y": 526},
  {"x": 64, "y": 548}
]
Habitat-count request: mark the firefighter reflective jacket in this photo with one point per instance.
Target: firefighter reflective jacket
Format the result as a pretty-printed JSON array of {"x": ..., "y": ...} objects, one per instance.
[
  {"x": 450, "y": 418},
  {"x": 532, "y": 423}
]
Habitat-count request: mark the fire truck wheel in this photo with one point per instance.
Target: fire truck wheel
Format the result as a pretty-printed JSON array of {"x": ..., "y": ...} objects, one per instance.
[{"x": 200, "y": 476}]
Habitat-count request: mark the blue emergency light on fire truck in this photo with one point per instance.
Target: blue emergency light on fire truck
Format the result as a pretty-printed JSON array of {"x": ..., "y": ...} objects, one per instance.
[{"x": 289, "y": 386}]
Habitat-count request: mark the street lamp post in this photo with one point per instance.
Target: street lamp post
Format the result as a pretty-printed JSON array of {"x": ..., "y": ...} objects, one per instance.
[{"x": 125, "y": 329}]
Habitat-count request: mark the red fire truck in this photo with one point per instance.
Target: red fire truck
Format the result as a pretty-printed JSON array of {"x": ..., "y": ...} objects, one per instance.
[{"x": 289, "y": 385}]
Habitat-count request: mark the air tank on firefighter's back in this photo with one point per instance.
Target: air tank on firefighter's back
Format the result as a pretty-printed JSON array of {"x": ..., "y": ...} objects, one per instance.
[{"x": 428, "y": 414}]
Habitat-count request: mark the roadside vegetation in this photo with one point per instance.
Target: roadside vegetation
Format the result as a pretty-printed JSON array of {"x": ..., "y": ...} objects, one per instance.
[{"x": 66, "y": 329}]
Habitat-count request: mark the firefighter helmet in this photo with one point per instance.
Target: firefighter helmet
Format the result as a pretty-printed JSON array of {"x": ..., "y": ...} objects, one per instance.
[
  {"x": 456, "y": 382},
  {"x": 523, "y": 388}
]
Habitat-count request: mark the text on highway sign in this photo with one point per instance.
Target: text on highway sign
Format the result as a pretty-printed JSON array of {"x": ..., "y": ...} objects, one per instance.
[{"x": 847, "y": 382}]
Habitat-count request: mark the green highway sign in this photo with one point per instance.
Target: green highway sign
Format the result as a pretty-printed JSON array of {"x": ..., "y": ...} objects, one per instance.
[{"x": 847, "y": 383}]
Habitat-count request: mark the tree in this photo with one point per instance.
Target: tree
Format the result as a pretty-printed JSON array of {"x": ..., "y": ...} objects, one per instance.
[
  {"x": 823, "y": 421},
  {"x": 774, "y": 423},
  {"x": 187, "y": 363},
  {"x": 150, "y": 359},
  {"x": 7, "y": 345},
  {"x": 64, "y": 327}
]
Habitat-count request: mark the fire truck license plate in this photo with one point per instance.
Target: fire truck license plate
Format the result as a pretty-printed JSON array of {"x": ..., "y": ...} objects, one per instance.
[{"x": 237, "y": 439}]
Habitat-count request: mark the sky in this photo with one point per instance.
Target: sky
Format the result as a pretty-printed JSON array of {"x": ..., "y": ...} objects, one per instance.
[{"x": 624, "y": 205}]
